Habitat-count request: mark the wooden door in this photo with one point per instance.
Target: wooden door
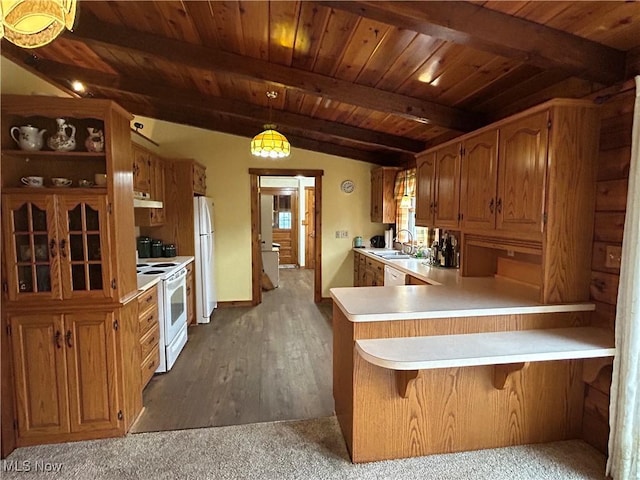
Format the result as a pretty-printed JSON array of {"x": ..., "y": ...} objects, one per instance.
[
  {"x": 310, "y": 227},
  {"x": 31, "y": 246},
  {"x": 85, "y": 260},
  {"x": 425, "y": 183},
  {"x": 522, "y": 174},
  {"x": 478, "y": 182},
  {"x": 37, "y": 343},
  {"x": 447, "y": 187},
  {"x": 90, "y": 345},
  {"x": 285, "y": 222}
]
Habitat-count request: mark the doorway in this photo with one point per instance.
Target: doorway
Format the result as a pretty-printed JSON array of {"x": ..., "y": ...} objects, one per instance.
[
  {"x": 256, "y": 248},
  {"x": 283, "y": 222}
]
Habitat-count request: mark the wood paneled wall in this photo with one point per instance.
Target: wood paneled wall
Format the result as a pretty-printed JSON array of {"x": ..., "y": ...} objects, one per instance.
[{"x": 613, "y": 174}]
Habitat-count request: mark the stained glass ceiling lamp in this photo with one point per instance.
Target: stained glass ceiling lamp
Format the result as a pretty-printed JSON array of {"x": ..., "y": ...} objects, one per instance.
[
  {"x": 270, "y": 143},
  {"x": 35, "y": 23}
]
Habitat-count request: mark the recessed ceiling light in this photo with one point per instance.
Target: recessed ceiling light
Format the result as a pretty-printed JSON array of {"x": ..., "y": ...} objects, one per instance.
[{"x": 77, "y": 86}]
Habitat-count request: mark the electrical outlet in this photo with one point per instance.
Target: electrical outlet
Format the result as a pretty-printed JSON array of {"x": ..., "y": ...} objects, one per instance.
[
  {"x": 342, "y": 234},
  {"x": 613, "y": 256}
]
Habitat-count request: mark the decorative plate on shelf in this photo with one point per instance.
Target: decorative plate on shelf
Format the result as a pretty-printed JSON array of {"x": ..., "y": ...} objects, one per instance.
[{"x": 347, "y": 186}]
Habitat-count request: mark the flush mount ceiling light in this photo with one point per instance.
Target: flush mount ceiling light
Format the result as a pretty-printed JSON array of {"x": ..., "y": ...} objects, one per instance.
[
  {"x": 35, "y": 23},
  {"x": 270, "y": 143}
]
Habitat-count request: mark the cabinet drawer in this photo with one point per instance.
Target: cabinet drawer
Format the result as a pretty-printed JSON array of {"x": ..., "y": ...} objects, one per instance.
[
  {"x": 148, "y": 299},
  {"x": 149, "y": 340},
  {"x": 149, "y": 366},
  {"x": 147, "y": 321}
]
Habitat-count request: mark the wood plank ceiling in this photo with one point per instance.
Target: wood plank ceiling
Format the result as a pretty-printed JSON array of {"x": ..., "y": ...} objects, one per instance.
[{"x": 373, "y": 81}]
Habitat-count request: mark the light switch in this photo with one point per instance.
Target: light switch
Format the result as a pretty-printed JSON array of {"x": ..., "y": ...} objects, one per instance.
[{"x": 613, "y": 256}]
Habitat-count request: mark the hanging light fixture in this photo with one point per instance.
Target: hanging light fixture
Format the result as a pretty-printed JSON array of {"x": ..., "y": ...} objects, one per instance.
[
  {"x": 35, "y": 23},
  {"x": 270, "y": 143}
]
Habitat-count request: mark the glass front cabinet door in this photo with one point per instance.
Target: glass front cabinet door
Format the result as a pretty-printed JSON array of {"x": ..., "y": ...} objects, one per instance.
[{"x": 56, "y": 246}]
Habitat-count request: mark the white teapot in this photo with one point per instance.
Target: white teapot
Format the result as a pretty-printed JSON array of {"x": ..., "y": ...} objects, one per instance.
[
  {"x": 95, "y": 140},
  {"x": 28, "y": 137},
  {"x": 60, "y": 141}
]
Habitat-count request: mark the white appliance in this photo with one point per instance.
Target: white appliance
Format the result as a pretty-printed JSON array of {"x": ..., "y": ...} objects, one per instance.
[
  {"x": 393, "y": 276},
  {"x": 206, "y": 298},
  {"x": 172, "y": 309}
]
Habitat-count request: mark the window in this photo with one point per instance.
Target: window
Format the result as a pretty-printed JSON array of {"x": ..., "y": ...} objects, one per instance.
[
  {"x": 282, "y": 212},
  {"x": 406, "y": 216}
]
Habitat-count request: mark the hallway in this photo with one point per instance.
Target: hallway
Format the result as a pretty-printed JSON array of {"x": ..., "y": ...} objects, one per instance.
[{"x": 265, "y": 363}]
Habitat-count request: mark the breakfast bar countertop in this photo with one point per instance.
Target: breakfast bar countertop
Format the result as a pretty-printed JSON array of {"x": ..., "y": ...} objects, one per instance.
[{"x": 449, "y": 295}]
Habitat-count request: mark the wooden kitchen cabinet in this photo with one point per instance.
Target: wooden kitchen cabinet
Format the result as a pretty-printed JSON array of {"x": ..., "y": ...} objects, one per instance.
[
  {"x": 438, "y": 187},
  {"x": 191, "y": 297},
  {"x": 383, "y": 202},
  {"x": 57, "y": 246},
  {"x": 522, "y": 169},
  {"x": 153, "y": 217},
  {"x": 544, "y": 202},
  {"x": 65, "y": 371},
  {"x": 141, "y": 169},
  {"x": 479, "y": 181},
  {"x": 68, "y": 314},
  {"x": 374, "y": 273},
  {"x": 199, "y": 178},
  {"x": 149, "y": 334}
]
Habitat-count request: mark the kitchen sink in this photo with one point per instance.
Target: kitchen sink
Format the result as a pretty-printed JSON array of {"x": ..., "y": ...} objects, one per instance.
[{"x": 396, "y": 255}]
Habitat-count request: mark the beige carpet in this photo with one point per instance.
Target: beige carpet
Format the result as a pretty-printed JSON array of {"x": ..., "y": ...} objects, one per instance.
[{"x": 307, "y": 449}]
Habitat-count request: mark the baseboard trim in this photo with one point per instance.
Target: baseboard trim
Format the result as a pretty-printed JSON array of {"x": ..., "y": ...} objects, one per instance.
[
  {"x": 235, "y": 303},
  {"x": 326, "y": 300}
]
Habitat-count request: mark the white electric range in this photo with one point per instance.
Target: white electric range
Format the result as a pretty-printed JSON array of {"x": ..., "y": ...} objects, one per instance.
[{"x": 170, "y": 275}]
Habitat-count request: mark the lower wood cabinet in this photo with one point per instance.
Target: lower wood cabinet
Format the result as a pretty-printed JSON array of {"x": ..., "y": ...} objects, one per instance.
[
  {"x": 65, "y": 375},
  {"x": 367, "y": 272},
  {"x": 149, "y": 334},
  {"x": 191, "y": 305}
]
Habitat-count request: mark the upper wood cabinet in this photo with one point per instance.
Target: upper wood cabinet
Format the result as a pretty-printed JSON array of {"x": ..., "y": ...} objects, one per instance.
[
  {"x": 57, "y": 246},
  {"x": 479, "y": 181},
  {"x": 425, "y": 188},
  {"x": 153, "y": 217},
  {"x": 522, "y": 168},
  {"x": 438, "y": 187},
  {"x": 503, "y": 178},
  {"x": 199, "y": 179},
  {"x": 65, "y": 372},
  {"x": 141, "y": 169},
  {"x": 383, "y": 202}
]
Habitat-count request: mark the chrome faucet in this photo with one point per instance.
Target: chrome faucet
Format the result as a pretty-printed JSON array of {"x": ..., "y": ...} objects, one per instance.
[{"x": 404, "y": 244}]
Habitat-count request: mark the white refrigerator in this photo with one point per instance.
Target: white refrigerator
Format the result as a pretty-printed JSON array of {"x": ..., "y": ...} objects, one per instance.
[{"x": 206, "y": 298}]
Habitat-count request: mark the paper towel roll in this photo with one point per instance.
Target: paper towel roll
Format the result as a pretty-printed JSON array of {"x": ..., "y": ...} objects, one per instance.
[{"x": 388, "y": 238}]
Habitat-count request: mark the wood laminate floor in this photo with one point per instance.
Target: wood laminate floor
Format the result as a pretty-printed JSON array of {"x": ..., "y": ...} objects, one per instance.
[{"x": 265, "y": 363}]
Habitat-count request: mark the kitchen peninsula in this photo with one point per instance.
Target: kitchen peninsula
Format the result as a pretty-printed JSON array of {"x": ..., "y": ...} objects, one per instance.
[{"x": 479, "y": 401}]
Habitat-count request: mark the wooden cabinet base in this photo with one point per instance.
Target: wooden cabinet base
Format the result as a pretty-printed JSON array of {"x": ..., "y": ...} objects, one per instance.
[{"x": 452, "y": 409}]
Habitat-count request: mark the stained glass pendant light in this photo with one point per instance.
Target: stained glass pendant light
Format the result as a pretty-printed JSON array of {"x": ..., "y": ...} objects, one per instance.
[
  {"x": 270, "y": 143},
  {"x": 35, "y": 23}
]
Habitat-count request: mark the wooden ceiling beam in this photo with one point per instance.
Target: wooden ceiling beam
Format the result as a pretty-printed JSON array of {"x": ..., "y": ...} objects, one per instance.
[
  {"x": 93, "y": 32},
  {"x": 200, "y": 118},
  {"x": 495, "y": 32},
  {"x": 294, "y": 122}
]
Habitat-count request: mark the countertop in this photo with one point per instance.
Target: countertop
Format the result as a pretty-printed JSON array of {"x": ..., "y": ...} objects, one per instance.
[
  {"x": 449, "y": 295},
  {"x": 145, "y": 282}
]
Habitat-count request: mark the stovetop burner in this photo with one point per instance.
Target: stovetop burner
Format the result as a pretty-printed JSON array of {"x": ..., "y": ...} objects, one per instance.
[
  {"x": 153, "y": 272},
  {"x": 142, "y": 265},
  {"x": 164, "y": 265}
]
